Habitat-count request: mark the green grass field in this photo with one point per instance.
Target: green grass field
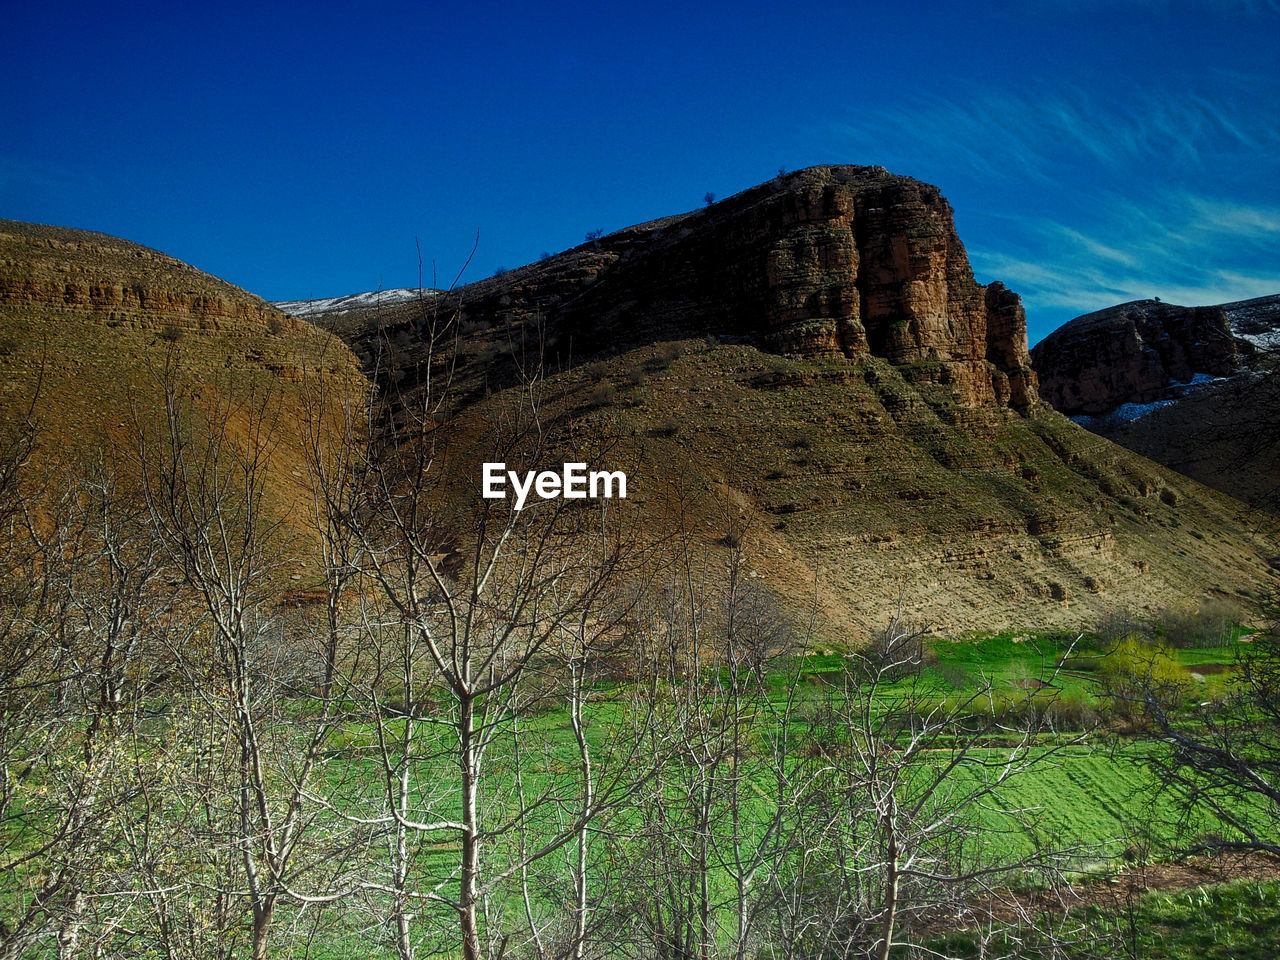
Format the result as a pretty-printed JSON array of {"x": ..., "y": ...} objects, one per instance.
[{"x": 1092, "y": 797}]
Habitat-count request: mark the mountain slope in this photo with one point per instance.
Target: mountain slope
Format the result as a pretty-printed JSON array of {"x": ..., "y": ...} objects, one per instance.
[
  {"x": 808, "y": 369},
  {"x": 1195, "y": 388},
  {"x": 92, "y": 326}
]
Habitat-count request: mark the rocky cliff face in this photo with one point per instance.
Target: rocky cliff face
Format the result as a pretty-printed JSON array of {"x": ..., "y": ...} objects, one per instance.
[
  {"x": 118, "y": 283},
  {"x": 1194, "y": 388},
  {"x": 834, "y": 263},
  {"x": 1136, "y": 353}
]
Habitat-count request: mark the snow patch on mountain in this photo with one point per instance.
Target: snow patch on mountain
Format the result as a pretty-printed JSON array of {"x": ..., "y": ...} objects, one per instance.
[
  {"x": 1129, "y": 412},
  {"x": 354, "y": 301},
  {"x": 1256, "y": 321}
]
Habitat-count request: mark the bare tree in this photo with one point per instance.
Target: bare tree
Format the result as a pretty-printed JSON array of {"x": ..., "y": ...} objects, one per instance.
[
  {"x": 81, "y": 637},
  {"x": 208, "y": 505},
  {"x": 1223, "y": 758},
  {"x": 698, "y": 867},
  {"x": 908, "y": 800}
]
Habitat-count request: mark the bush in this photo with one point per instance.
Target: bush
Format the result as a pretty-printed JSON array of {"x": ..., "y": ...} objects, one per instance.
[
  {"x": 802, "y": 440},
  {"x": 604, "y": 394},
  {"x": 1117, "y": 625},
  {"x": 1132, "y": 670},
  {"x": 666, "y": 354},
  {"x": 955, "y": 674}
]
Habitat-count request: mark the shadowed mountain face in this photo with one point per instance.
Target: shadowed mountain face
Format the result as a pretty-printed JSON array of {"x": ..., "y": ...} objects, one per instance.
[
  {"x": 90, "y": 327},
  {"x": 809, "y": 369},
  {"x": 1194, "y": 388}
]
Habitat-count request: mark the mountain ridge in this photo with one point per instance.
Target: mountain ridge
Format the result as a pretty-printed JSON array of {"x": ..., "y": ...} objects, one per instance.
[{"x": 97, "y": 332}]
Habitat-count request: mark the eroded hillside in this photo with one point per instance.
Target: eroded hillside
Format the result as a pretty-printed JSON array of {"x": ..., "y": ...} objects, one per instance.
[
  {"x": 809, "y": 369},
  {"x": 92, "y": 328}
]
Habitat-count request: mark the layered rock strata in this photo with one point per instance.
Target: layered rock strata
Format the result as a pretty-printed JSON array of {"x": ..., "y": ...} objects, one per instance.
[{"x": 834, "y": 263}]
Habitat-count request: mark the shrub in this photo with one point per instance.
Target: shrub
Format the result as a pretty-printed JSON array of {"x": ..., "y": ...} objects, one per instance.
[
  {"x": 667, "y": 353},
  {"x": 604, "y": 394},
  {"x": 1117, "y": 625},
  {"x": 1132, "y": 670},
  {"x": 802, "y": 440},
  {"x": 955, "y": 674}
]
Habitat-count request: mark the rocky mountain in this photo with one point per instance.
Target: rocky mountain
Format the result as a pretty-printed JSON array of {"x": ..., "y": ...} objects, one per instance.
[
  {"x": 833, "y": 264},
  {"x": 809, "y": 371},
  {"x": 1194, "y": 388},
  {"x": 90, "y": 326}
]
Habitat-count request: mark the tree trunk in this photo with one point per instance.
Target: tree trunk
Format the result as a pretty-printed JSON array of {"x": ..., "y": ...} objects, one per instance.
[
  {"x": 890, "y": 900},
  {"x": 262, "y": 928},
  {"x": 469, "y": 894},
  {"x": 69, "y": 928}
]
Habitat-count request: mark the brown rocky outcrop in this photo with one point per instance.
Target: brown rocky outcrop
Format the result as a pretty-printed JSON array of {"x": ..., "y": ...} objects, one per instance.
[
  {"x": 832, "y": 262},
  {"x": 117, "y": 283},
  {"x": 1133, "y": 353},
  {"x": 1202, "y": 383}
]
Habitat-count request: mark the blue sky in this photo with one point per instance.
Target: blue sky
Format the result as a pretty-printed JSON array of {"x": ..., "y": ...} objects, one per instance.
[{"x": 1093, "y": 152}]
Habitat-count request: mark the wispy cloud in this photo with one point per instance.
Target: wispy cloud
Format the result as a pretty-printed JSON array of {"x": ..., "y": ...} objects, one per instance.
[
  {"x": 1080, "y": 199},
  {"x": 997, "y": 134},
  {"x": 1184, "y": 248},
  {"x": 1238, "y": 219}
]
